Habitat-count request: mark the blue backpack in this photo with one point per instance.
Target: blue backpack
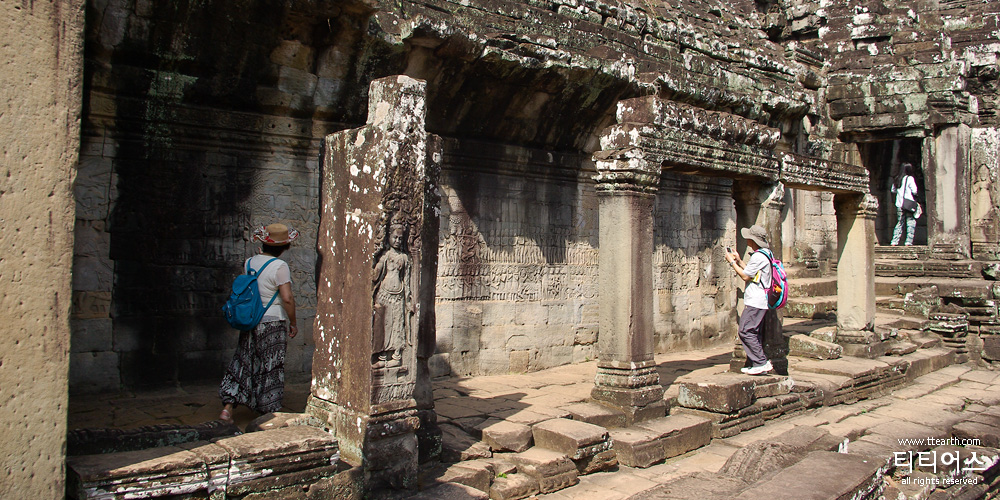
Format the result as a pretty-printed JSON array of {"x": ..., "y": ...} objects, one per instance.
[{"x": 244, "y": 308}]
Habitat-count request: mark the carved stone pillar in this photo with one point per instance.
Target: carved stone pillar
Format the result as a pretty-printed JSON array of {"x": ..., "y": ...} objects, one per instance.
[
  {"x": 763, "y": 204},
  {"x": 378, "y": 247},
  {"x": 947, "y": 175},
  {"x": 626, "y": 371},
  {"x": 856, "y": 274},
  {"x": 984, "y": 201}
]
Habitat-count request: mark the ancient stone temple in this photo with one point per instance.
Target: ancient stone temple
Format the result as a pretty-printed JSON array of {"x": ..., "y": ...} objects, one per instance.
[{"x": 483, "y": 188}]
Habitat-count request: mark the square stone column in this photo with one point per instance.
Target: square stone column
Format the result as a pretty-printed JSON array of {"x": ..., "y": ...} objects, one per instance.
[
  {"x": 984, "y": 199},
  {"x": 948, "y": 195},
  {"x": 761, "y": 203},
  {"x": 855, "y": 263},
  {"x": 375, "y": 298},
  {"x": 626, "y": 371}
]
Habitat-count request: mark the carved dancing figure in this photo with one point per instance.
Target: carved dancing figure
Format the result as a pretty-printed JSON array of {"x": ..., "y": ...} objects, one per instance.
[{"x": 393, "y": 301}]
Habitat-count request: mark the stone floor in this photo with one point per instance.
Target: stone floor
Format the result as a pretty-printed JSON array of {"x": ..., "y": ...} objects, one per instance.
[
  {"x": 539, "y": 390},
  {"x": 933, "y": 401}
]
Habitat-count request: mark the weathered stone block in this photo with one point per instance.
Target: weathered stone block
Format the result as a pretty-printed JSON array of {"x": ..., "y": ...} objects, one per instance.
[
  {"x": 539, "y": 462},
  {"x": 457, "y": 445},
  {"x": 637, "y": 447},
  {"x": 94, "y": 372},
  {"x": 810, "y": 347},
  {"x": 597, "y": 414},
  {"x": 90, "y": 335},
  {"x": 177, "y": 471},
  {"x": 825, "y": 334},
  {"x": 756, "y": 460},
  {"x": 679, "y": 434},
  {"x": 991, "y": 348},
  {"x": 856, "y": 477},
  {"x": 722, "y": 394},
  {"x": 277, "y": 420},
  {"x": 479, "y": 478},
  {"x": 573, "y": 438},
  {"x": 452, "y": 491},
  {"x": 514, "y": 487},
  {"x": 987, "y": 434},
  {"x": 501, "y": 435},
  {"x": 297, "y": 82},
  {"x": 602, "y": 460},
  {"x": 770, "y": 386}
]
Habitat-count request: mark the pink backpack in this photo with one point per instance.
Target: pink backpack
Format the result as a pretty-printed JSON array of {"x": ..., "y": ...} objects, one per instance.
[{"x": 777, "y": 295}]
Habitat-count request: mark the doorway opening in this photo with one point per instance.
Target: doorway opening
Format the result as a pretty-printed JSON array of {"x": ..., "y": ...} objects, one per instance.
[{"x": 883, "y": 160}]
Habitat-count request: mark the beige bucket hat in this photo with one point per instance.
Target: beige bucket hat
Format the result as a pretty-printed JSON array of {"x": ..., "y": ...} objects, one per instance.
[{"x": 757, "y": 234}]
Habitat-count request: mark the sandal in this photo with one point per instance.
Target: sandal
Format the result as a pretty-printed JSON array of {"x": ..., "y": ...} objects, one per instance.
[{"x": 226, "y": 416}]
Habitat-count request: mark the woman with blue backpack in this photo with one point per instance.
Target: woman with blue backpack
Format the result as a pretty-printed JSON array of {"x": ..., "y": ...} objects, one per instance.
[{"x": 256, "y": 375}]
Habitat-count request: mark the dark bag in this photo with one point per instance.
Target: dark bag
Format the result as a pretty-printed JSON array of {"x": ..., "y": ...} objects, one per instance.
[
  {"x": 244, "y": 309},
  {"x": 909, "y": 205}
]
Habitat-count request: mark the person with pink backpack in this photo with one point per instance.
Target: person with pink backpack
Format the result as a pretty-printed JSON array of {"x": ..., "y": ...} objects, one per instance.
[{"x": 764, "y": 277}]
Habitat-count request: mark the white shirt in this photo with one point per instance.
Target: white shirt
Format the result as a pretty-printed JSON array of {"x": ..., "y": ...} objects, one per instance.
[
  {"x": 759, "y": 270},
  {"x": 907, "y": 190},
  {"x": 274, "y": 275}
]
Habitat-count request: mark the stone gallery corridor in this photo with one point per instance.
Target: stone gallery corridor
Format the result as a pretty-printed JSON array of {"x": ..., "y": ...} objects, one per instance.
[{"x": 510, "y": 278}]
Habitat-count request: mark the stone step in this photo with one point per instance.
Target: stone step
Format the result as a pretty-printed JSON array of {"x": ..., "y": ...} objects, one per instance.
[
  {"x": 892, "y": 305},
  {"x": 905, "y": 322},
  {"x": 798, "y": 271},
  {"x": 552, "y": 470},
  {"x": 587, "y": 445},
  {"x": 922, "y": 361},
  {"x": 811, "y": 307},
  {"x": 812, "y": 287},
  {"x": 929, "y": 268},
  {"x": 811, "y": 347},
  {"x": 679, "y": 434},
  {"x": 597, "y": 414},
  {"x": 856, "y": 477},
  {"x": 792, "y": 326}
]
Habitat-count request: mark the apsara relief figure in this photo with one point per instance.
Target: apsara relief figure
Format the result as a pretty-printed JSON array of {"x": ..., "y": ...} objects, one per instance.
[{"x": 394, "y": 303}]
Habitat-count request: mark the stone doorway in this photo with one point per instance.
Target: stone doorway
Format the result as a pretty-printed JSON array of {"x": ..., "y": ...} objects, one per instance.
[{"x": 882, "y": 159}]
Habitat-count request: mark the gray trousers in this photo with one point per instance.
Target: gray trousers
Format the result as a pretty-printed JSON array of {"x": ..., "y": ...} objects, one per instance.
[{"x": 752, "y": 334}]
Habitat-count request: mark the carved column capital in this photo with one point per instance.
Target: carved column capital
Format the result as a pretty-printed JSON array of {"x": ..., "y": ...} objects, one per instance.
[
  {"x": 765, "y": 194},
  {"x": 626, "y": 170},
  {"x": 856, "y": 205},
  {"x": 774, "y": 195}
]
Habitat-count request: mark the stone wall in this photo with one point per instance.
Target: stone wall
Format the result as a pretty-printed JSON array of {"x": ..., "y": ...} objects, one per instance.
[
  {"x": 517, "y": 265},
  {"x": 40, "y": 96},
  {"x": 187, "y": 145},
  {"x": 517, "y": 262},
  {"x": 694, "y": 297},
  {"x": 813, "y": 230}
]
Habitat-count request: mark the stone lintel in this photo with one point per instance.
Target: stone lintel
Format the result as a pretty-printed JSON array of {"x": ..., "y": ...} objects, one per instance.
[{"x": 816, "y": 174}]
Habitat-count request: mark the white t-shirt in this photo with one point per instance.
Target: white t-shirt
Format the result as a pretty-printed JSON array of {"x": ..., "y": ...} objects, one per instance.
[
  {"x": 759, "y": 269},
  {"x": 907, "y": 190},
  {"x": 274, "y": 275}
]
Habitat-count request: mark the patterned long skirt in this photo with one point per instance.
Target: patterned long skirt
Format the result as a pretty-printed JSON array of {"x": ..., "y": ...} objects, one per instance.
[{"x": 256, "y": 375}]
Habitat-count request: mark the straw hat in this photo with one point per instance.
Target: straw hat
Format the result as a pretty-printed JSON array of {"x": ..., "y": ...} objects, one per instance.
[
  {"x": 275, "y": 234},
  {"x": 755, "y": 233}
]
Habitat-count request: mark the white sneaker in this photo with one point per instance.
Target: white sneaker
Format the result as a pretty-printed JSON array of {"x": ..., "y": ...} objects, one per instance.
[
  {"x": 745, "y": 369},
  {"x": 760, "y": 370}
]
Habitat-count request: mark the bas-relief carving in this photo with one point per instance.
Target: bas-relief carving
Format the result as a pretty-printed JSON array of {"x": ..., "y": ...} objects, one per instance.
[
  {"x": 394, "y": 308},
  {"x": 985, "y": 188},
  {"x": 518, "y": 258}
]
